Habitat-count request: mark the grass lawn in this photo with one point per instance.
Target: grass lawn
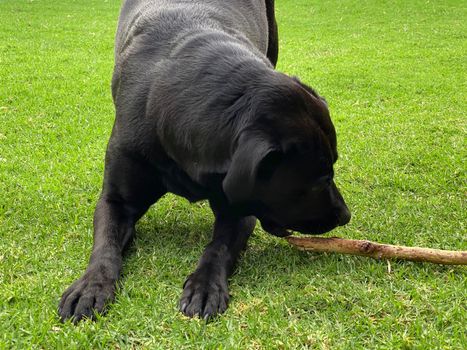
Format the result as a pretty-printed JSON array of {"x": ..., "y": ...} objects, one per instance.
[{"x": 394, "y": 74}]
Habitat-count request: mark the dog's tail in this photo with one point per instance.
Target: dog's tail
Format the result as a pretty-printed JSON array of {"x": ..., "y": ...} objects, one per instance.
[{"x": 273, "y": 41}]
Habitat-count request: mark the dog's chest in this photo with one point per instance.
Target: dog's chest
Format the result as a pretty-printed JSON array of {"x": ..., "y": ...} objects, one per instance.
[{"x": 178, "y": 182}]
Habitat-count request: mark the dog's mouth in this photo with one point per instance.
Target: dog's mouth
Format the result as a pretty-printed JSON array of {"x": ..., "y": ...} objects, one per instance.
[
  {"x": 310, "y": 228},
  {"x": 275, "y": 229}
]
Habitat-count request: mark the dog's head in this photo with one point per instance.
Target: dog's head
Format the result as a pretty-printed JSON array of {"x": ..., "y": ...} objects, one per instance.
[{"x": 282, "y": 168}]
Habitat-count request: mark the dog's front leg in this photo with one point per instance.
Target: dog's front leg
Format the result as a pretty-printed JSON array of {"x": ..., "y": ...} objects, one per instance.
[
  {"x": 97, "y": 285},
  {"x": 205, "y": 292},
  {"x": 129, "y": 189}
]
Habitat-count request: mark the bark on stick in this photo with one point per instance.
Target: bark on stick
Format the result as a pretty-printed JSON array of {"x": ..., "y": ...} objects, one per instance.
[{"x": 377, "y": 250}]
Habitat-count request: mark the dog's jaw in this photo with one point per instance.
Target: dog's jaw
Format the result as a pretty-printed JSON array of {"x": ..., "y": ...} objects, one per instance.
[{"x": 274, "y": 229}]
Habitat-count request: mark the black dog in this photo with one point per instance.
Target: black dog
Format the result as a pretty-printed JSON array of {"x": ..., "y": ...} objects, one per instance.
[{"x": 200, "y": 112}]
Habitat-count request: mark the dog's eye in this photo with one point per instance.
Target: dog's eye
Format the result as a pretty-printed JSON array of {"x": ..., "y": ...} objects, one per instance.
[{"x": 322, "y": 183}]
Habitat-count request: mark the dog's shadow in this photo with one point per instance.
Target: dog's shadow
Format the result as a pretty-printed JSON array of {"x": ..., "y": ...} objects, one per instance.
[
  {"x": 174, "y": 241},
  {"x": 179, "y": 236}
]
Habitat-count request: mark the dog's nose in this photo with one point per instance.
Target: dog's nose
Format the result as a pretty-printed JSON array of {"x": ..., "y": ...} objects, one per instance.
[{"x": 344, "y": 216}]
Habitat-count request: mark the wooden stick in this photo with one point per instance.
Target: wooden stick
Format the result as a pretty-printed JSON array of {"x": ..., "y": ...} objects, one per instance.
[{"x": 377, "y": 250}]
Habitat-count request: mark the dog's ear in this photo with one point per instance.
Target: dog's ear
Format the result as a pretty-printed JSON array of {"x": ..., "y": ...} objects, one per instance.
[{"x": 250, "y": 160}]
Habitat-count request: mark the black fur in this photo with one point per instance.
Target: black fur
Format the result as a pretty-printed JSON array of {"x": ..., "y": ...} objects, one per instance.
[{"x": 201, "y": 112}]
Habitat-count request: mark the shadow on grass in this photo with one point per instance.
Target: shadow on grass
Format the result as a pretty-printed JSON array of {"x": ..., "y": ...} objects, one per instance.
[{"x": 176, "y": 244}]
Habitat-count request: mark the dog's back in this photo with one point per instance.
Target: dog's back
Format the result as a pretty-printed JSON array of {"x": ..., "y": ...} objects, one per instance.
[
  {"x": 181, "y": 52},
  {"x": 172, "y": 20}
]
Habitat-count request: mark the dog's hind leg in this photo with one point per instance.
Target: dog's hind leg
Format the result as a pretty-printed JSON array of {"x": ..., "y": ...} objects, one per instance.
[
  {"x": 130, "y": 187},
  {"x": 205, "y": 292}
]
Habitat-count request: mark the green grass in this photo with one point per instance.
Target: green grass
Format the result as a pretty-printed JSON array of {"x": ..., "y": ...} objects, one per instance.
[{"x": 394, "y": 74}]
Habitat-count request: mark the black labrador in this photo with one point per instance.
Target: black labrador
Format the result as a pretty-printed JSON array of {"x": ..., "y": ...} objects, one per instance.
[{"x": 201, "y": 112}]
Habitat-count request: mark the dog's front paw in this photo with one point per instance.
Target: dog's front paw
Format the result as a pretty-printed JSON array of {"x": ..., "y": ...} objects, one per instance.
[
  {"x": 204, "y": 295},
  {"x": 85, "y": 296}
]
